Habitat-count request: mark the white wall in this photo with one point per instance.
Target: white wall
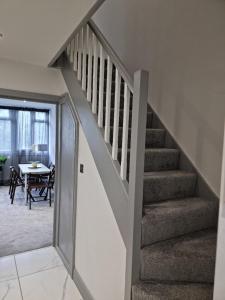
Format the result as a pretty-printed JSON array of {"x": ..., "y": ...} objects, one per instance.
[
  {"x": 182, "y": 44},
  {"x": 100, "y": 252},
  {"x": 30, "y": 78}
]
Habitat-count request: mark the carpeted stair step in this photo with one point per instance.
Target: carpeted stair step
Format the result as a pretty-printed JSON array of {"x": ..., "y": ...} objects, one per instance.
[
  {"x": 159, "y": 186},
  {"x": 155, "y": 138},
  {"x": 168, "y": 219},
  {"x": 190, "y": 258},
  {"x": 172, "y": 291},
  {"x": 148, "y": 123},
  {"x": 157, "y": 159},
  {"x": 161, "y": 159}
]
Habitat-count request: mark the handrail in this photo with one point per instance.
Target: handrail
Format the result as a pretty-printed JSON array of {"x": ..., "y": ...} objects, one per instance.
[{"x": 112, "y": 54}]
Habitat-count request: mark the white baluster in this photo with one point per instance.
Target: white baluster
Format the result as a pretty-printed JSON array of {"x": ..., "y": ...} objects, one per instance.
[
  {"x": 71, "y": 50},
  {"x": 84, "y": 64},
  {"x": 101, "y": 87},
  {"x": 89, "y": 45},
  {"x": 116, "y": 117},
  {"x": 75, "y": 53},
  {"x": 126, "y": 110},
  {"x": 95, "y": 75},
  {"x": 79, "y": 56},
  {"x": 108, "y": 100}
]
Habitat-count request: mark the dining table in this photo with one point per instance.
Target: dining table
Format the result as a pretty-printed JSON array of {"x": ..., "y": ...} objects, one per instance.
[{"x": 28, "y": 169}]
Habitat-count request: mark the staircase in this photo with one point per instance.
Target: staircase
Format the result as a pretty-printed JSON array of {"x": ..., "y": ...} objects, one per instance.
[
  {"x": 178, "y": 226},
  {"x": 178, "y": 244}
]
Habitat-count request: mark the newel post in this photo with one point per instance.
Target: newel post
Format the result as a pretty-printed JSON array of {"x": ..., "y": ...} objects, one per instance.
[{"x": 137, "y": 155}]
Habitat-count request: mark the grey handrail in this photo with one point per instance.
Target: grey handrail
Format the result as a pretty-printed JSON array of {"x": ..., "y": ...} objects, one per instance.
[{"x": 112, "y": 54}]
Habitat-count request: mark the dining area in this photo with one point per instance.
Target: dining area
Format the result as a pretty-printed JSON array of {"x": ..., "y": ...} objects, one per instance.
[
  {"x": 35, "y": 180},
  {"x": 27, "y": 175}
]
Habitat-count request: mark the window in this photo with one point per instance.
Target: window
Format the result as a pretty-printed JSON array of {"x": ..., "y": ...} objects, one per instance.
[
  {"x": 20, "y": 129},
  {"x": 5, "y": 130},
  {"x": 24, "y": 137},
  {"x": 40, "y": 128}
]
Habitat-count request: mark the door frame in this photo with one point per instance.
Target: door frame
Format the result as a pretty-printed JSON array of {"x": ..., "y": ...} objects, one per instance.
[
  {"x": 65, "y": 100},
  {"x": 40, "y": 98},
  {"x": 56, "y": 100}
]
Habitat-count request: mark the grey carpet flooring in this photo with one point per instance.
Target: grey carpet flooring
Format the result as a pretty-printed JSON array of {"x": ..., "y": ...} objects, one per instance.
[{"x": 22, "y": 229}]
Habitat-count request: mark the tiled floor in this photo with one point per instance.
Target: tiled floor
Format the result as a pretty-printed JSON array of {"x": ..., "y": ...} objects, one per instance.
[{"x": 36, "y": 275}]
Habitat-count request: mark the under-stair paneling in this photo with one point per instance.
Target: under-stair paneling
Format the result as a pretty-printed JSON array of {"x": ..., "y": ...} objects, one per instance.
[{"x": 100, "y": 253}]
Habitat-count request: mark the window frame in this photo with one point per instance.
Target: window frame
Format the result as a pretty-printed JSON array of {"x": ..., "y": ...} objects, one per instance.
[
  {"x": 13, "y": 113},
  {"x": 9, "y": 119}
]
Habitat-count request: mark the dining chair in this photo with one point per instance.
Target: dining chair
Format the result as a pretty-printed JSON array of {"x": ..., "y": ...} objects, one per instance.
[
  {"x": 10, "y": 178},
  {"x": 46, "y": 185},
  {"x": 50, "y": 179},
  {"x": 16, "y": 181}
]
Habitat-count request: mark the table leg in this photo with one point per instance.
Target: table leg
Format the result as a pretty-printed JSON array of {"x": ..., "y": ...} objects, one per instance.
[
  {"x": 25, "y": 192},
  {"x": 21, "y": 177}
]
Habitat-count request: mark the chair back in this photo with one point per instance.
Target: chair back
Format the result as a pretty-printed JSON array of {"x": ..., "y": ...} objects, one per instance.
[
  {"x": 11, "y": 168},
  {"x": 51, "y": 179},
  {"x": 16, "y": 179}
]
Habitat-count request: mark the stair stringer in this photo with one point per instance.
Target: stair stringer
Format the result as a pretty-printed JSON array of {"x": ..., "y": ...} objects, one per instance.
[{"x": 115, "y": 188}]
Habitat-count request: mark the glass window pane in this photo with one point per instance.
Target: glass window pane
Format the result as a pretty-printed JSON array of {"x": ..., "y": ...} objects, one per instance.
[
  {"x": 5, "y": 136},
  {"x": 40, "y": 133},
  {"x": 24, "y": 130},
  {"x": 40, "y": 116},
  {"x": 4, "y": 113}
]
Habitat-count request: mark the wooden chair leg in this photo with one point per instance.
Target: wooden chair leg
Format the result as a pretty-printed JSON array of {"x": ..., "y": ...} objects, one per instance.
[
  {"x": 50, "y": 198},
  {"x": 10, "y": 188},
  {"x": 41, "y": 192},
  {"x": 29, "y": 200},
  {"x": 46, "y": 196},
  {"x": 13, "y": 194},
  {"x": 27, "y": 196}
]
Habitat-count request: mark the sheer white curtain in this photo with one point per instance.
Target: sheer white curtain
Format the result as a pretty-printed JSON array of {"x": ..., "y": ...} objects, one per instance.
[{"x": 19, "y": 131}]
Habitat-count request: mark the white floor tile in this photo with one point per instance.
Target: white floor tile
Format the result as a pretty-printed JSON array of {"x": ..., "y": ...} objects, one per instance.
[
  {"x": 10, "y": 290},
  {"x": 37, "y": 260},
  {"x": 7, "y": 268},
  {"x": 53, "y": 284}
]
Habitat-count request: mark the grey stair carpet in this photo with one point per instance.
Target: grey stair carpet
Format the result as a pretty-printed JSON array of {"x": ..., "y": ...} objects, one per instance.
[
  {"x": 168, "y": 219},
  {"x": 167, "y": 185},
  {"x": 157, "y": 159},
  {"x": 189, "y": 258},
  {"x": 155, "y": 138},
  {"x": 172, "y": 291},
  {"x": 178, "y": 227}
]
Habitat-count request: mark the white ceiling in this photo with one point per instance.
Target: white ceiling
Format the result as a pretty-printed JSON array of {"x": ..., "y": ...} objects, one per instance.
[
  {"x": 34, "y": 30},
  {"x": 25, "y": 103}
]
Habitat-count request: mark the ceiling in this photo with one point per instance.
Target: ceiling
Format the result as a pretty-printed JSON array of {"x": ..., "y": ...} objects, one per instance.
[
  {"x": 25, "y": 103},
  {"x": 34, "y": 30}
]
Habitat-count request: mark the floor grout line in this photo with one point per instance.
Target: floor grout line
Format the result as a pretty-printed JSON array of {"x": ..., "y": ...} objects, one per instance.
[
  {"x": 47, "y": 269},
  {"x": 18, "y": 278}
]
